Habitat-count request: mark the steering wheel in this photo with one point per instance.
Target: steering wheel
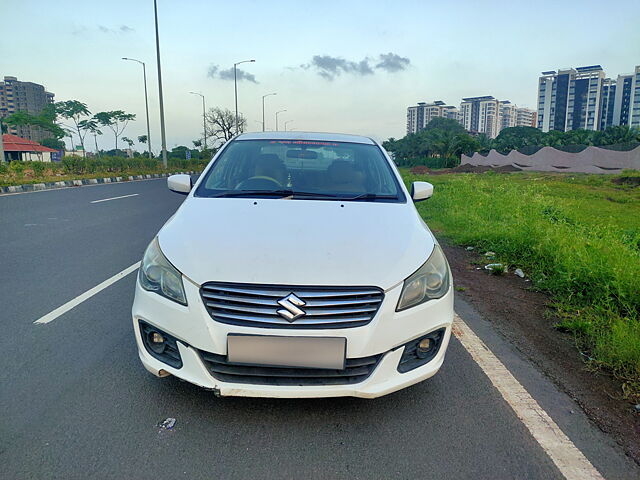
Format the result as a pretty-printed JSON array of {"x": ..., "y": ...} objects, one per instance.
[{"x": 259, "y": 182}]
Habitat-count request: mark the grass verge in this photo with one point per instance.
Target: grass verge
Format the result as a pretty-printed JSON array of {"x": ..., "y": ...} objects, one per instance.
[{"x": 576, "y": 236}]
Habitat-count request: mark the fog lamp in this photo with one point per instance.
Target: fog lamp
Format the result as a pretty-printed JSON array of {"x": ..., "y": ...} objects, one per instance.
[
  {"x": 424, "y": 347},
  {"x": 156, "y": 342}
]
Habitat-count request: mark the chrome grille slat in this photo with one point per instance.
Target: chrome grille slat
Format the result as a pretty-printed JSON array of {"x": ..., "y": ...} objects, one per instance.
[
  {"x": 282, "y": 292},
  {"x": 283, "y": 322},
  {"x": 324, "y": 307}
]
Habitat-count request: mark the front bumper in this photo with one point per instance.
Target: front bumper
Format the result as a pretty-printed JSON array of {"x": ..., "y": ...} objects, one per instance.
[{"x": 385, "y": 335}]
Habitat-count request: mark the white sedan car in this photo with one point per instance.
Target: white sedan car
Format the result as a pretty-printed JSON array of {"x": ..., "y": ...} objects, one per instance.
[{"x": 297, "y": 266}]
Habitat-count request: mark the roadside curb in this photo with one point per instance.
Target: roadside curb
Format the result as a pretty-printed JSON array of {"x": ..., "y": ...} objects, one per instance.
[{"x": 32, "y": 187}]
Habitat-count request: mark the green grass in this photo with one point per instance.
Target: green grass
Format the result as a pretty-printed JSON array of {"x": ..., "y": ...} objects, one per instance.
[{"x": 578, "y": 238}]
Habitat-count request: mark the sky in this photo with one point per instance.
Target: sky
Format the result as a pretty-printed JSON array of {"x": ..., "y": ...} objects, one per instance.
[{"x": 338, "y": 66}]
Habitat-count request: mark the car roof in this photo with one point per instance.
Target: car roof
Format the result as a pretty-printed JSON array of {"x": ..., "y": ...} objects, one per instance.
[{"x": 318, "y": 136}]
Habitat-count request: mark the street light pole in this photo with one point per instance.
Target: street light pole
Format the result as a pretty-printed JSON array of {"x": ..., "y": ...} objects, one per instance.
[
  {"x": 204, "y": 118},
  {"x": 235, "y": 86},
  {"x": 162, "y": 131},
  {"x": 278, "y": 112},
  {"x": 146, "y": 101},
  {"x": 285, "y": 124},
  {"x": 263, "y": 97}
]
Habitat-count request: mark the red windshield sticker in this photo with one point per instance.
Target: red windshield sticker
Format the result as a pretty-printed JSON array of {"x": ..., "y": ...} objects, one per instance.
[{"x": 305, "y": 142}]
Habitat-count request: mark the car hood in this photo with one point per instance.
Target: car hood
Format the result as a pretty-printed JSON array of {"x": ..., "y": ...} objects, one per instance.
[{"x": 296, "y": 242}]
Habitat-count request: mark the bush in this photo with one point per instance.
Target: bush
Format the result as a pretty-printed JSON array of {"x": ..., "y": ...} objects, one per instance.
[
  {"x": 38, "y": 168},
  {"x": 17, "y": 168}
]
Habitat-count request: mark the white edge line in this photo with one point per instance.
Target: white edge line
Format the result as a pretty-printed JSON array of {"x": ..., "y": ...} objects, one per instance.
[
  {"x": 49, "y": 317},
  {"x": 115, "y": 198},
  {"x": 565, "y": 455}
]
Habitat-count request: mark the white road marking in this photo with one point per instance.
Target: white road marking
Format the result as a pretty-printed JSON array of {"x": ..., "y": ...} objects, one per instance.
[
  {"x": 115, "y": 198},
  {"x": 570, "y": 461},
  {"x": 51, "y": 316}
]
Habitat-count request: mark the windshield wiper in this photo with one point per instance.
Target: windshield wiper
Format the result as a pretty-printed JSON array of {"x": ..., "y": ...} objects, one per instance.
[
  {"x": 242, "y": 193},
  {"x": 372, "y": 196},
  {"x": 283, "y": 193}
]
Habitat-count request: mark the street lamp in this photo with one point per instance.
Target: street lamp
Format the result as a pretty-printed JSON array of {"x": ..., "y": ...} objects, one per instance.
[
  {"x": 285, "y": 124},
  {"x": 235, "y": 87},
  {"x": 263, "y": 97},
  {"x": 146, "y": 100},
  {"x": 162, "y": 132},
  {"x": 278, "y": 112},
  {"x": 204, "y": 118}
]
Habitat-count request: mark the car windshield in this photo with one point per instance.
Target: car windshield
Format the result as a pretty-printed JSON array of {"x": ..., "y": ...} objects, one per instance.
[{"x": 301, "y": 169}]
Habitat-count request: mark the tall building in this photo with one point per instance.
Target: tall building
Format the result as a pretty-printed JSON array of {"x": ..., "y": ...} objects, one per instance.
[
  {"x": 583, "y": 98},
  {"x": 16, "y": 96},
  {"x": 526, "y": 118},
  {"x": 621, "y": 100},
  {"x": 508, "y": 113},
  {"x": 481, "y": 115},
  {"x": 419, "y": 116}
]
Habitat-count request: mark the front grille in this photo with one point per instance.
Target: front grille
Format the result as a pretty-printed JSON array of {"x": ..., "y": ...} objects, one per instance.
[
  {"x": 356, "y": 370},
  {"x": 257, "y": 305}
]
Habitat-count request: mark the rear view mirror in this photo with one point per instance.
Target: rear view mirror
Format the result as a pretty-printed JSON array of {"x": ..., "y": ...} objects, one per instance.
[
  {"x": 179, "y": 183},
  {"x": 421, "y": 191},
  {"x": 301, "y": 154}
]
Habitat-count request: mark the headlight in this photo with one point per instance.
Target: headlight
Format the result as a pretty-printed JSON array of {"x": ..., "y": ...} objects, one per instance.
[
  {"x": 158, "y": 275},
  {"x": 429, "y": 282}
]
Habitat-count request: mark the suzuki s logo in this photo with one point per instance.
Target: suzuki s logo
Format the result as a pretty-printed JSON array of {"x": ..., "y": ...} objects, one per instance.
[{"x": 291, "y": 311}]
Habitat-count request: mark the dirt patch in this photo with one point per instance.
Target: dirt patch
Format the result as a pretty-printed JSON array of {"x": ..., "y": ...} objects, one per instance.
[
  {"x": 522, "y": 316},
  {"x": 633, "y": 181}
]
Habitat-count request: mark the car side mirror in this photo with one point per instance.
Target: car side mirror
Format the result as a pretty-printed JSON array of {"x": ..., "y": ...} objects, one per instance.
[
  {"x": 421, "y": 191},
  {"x": 180, "y": 183}
]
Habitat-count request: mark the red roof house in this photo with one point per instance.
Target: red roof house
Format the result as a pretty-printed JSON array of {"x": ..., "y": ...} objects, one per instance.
[{"x": 18, "y": 148}]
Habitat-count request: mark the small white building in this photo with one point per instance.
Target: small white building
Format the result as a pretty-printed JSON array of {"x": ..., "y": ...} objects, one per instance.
[{"x": 21, "y": 149}]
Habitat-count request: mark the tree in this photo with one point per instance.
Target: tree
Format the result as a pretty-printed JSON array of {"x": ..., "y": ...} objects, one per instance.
[
  {"x": 142, "y": 138},
  {"x": 197, "y": 143},
  {"x": 448, "y": 124},
  {"x": 45, "y": 120},
  {"x": 54, "y": 143},
  {"x": 513, "y": 138},
  {"x": 115, "y": 120},
  {"x": 220, "y": 124},
  {"x": 91, "y": 126},
  {"x": 128, "y": 141},
  {"x": 73, "y": 110}
]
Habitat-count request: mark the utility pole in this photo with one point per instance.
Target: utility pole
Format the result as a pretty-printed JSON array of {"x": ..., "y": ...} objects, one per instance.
[{"x": 162, "y": 131}]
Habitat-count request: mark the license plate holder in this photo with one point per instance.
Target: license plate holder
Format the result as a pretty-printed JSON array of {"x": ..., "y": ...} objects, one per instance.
[{"x": 283, "y": 351}]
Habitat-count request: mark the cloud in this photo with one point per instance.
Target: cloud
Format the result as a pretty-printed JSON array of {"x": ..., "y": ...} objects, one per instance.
[
  {"x": 122, "y": 29},
  {"x": 329, "y": 67},
  {"x": 215, "y": 72},
  {"x": 392, "y": 62}
]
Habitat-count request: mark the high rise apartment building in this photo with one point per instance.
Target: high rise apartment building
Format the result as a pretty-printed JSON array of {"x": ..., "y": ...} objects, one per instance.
[
  {"x": 584, "y": 98},
  {"x": 17, "y": 96},
  {"x": 419, "y": 116}
]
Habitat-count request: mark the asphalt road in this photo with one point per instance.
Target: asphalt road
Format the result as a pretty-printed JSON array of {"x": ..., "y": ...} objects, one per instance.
[{"x": 76, "y": 403}]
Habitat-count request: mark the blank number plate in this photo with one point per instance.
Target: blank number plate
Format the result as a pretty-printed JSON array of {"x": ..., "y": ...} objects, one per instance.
[{"x": 310, "y": 352}]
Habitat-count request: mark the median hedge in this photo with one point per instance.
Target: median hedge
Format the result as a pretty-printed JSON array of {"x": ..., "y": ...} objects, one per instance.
[{"x": 71, "y": 168}]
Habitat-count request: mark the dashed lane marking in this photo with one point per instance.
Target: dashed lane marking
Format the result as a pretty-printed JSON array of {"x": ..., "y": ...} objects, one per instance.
[
  {"x": 51, "y": 316},
  {"x": 115, "y": 198}
]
